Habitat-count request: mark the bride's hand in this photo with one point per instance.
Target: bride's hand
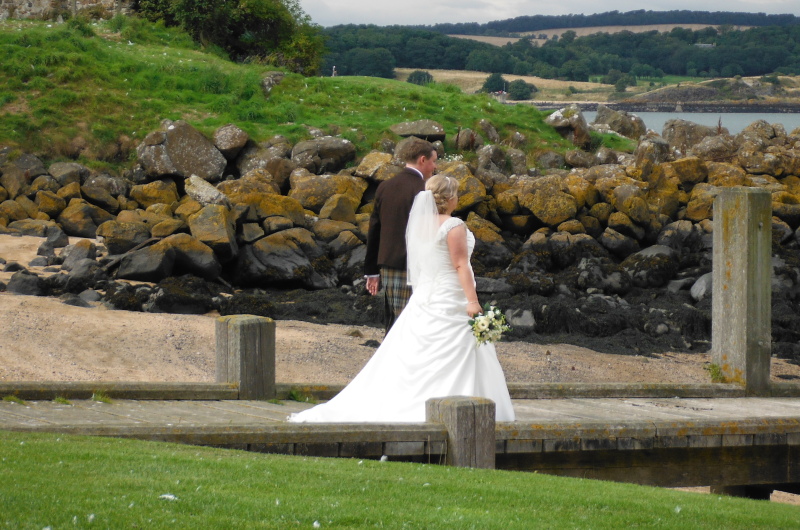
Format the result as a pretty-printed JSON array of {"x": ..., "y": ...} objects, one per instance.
[{"x": 473, "y": 308}]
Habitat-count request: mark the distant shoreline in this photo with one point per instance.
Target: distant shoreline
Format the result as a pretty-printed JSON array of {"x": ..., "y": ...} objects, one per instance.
[{"x": 693, "y": 106}]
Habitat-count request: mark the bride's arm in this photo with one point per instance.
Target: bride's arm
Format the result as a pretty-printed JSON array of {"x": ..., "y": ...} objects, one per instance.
[{"x": 457, "y": 245}]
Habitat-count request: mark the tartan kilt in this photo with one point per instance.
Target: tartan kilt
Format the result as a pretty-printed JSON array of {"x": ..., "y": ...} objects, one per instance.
[{"x": 397, "y": 292}]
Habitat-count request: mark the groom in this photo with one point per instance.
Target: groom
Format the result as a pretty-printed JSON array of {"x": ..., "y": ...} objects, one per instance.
[{"x": 386, "y": 240}]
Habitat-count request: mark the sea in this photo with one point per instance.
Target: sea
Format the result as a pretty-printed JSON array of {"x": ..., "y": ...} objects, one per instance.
[{"x": 733, "y": 121}]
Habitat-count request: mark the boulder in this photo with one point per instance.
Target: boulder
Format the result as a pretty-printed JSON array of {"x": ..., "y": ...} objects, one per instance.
[
  {"x": 192, "y": 256},
  {"x": 373, "y": 166},
  {"x": 27, "y": 283},
  {"x": 579, "y": 158},
  {"x": 16, "y": 181},
  {"x": 570, "y": 123},
  {"x": 120, "y": 237},
  {"x": 84, "y": 274},
  {"x": 338, "y": 207},
  {"x": 212, "y": 226},
  {"x": 81, "y": 219},
  {"x": 328, "y": 230},
  {"x": 618, "y": 244},
  {"x": 312, "y": 191},
  {"x": 652, "y": 267},
  {"x": 82, "y": 249},
  {"x": 701, "y": 202},
  {"x": 682, "y": 135},
  {"x": 603, "y": 274},
  {"x": 167, "y": 227},
  {"x": 550, "y": 160},
  {"x": 426, "y": 129},
  {"x": 31, "y": 227},
  {"x": 150, "y": 264},
  {"x": 249, "y": 189},
  {"x": 43, "y": 183},
  {"x": 329, "y": 153},
  {"x": 286, "y": 258},
  {"x": 50, "y": 203},
  {"x": 651, "y": 151},
  {"x": 181, "y": 150},
  {"x": 156, "y": 192},
  {"x": 100, "y": 197},
  {"x": 718, "y": 148},
  {"x": 203, "y": 192},
  {"x": 68, "y": 172},
  {"x": 628, "y": 125},
  {"x": 12, "y": 210},
  {"x": 345, "y": 242},
  {"x": 258, "y": 156},
  {"x": 230, "y": 140}
]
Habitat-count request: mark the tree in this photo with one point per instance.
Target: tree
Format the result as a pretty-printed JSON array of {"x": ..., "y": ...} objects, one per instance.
[
  {"x": 520, "y": 90},
  {"x": 375, "y": 62},
  {"x": 495, "y": 83},
  {"x": 419, "y": 77}
]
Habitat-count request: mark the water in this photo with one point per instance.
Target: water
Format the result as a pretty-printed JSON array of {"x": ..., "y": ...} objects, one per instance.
[{"x": 733, "y": 121}]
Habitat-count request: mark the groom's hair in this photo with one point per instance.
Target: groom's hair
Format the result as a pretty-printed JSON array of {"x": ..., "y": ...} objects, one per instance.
[{"x": 413, "y": 148}]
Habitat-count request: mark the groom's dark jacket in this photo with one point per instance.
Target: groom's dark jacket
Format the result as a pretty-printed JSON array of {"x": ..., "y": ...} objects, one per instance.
[{"x": 386, "y": 238}]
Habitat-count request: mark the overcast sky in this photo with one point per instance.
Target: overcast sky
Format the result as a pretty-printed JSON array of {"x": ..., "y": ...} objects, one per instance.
[{"x": 423, "y": 12}]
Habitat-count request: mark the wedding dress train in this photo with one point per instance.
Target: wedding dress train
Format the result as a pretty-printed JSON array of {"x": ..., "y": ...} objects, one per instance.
[{"x": 429, "y": 352}]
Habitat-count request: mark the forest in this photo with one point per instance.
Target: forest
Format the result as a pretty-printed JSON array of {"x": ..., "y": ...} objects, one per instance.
[{"x": 710, "y": 52}]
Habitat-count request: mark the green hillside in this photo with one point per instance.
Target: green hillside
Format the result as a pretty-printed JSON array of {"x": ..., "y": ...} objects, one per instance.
[{"x": 92, "y": 91}]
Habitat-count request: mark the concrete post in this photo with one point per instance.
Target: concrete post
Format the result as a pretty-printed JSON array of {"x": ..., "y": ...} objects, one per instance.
[
  {"x": 741, "y": 314},
  {"x": 246, "y": 354},
  {"x": 470, "y": 429}
]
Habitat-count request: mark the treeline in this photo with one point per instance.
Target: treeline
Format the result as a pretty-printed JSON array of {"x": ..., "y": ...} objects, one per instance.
[
  {"x": 376, "y": 51},
  {"x": 613, "y": 18}
]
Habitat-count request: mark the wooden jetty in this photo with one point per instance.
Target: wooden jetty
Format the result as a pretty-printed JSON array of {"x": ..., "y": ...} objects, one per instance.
[{"x": 741, "y": 437}]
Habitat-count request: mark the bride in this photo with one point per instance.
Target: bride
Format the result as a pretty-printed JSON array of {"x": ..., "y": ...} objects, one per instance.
[{"x": 430, "y": 351}]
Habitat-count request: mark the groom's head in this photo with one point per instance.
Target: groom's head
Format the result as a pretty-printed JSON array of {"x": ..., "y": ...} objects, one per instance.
[{"x": 419, "y": 154}]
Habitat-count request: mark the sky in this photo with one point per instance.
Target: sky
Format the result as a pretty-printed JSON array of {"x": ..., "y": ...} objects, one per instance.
[{"x": 426, "y": 12}]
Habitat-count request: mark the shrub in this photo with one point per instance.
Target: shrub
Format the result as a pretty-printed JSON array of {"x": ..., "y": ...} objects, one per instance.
[
  {"x": 520, "y": 90},
  {"x": 419, "y": 77},
  {"x": 494, "y": 83}
]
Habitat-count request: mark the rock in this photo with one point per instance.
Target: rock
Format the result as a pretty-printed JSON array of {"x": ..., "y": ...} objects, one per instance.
[
  {"x": 345, "y": 242},
  {"x": 83, "y": 249},
  {"x": 57, "y": 237},
  {"x": 426, "y": 129},
  {"x": 651, "y": 151},
  {"x": 618, "y": 244},
  {"x": 50, "y": 203},
  {"x": 183, "y": 295},
  {"x": 156, "y": 192},
  {"x": 181, "y": 150},
  {"x": 81, "y": 219},
  {"x": 100, "y": 197},
  {"x": 250, "y": 189},
  {"x": 73, "y": 300},
  {"x": 338, "y": 207},
  {"x": 521, "y": 319},
  {"x": 683, "y": 135},
  {"x": 702, "y": 287},
  {"x": 167, "y": 227},
  {"x": 84, "y": 274},
  {"x": 230, "y": 140},
  {"x": 311, "y": 191},
  {"x": 628, "y": 125},
  {"x": 68, "y": 172},
  {"x": 27, "y": 283},
  {"x": 258, "y": 156},
  {"x": 203, "y": 192},
  {"x": 623, "y": 224},
  {"x": 31, "y": 227},
  {"x": 120, "y": 237},
  {"x": 290, "y": 257},
  {"x": 13, "y": 211},
  {"x": 551, "y": 208},
  {"x": 70, "y": 191},
  {"x": 319, "y": 155},
  {"x": 701, "y": 202},
  {"x": 550, "y": 160},
  {"x": 43, "y": 183},
  {"x": 652, "y": 267},
  {"x": 579, "y": 158},
  {"x": 570, "y": 123},
  {"x": 718, "y": 148},
  {"x": 150, "y": 264},
  {"x": 327, "y": 229},
  {"x": 115, "y": 186},
  {"x": 373, "y": 166},
  {"x": 16, "y": 181},
  {"x": 212, "y": 226},
  {"x": 271, "y": 80}
]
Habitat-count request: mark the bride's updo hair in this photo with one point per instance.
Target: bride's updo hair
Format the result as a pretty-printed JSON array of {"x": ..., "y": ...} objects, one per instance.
[{"x": 443, "y": 188}]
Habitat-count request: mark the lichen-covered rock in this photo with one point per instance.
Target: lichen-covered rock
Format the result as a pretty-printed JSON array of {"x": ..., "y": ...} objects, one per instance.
[
  {"x": 80, "y": 250},
  {"x": 570, "y": 123},
  {"x": 68, "y": 172},
  {"x": 654, "y": 266},
  {"x": 329, "y": 153},
  {"x": 623, "y": 123},
  {"x": 31, "y": 227},
  {"x": 372, "y": 163},
  {"x": 203, "y": 192},
  {"x": 618, "y": 244},
  {"x": 100, "y": 197},
  {"x": 119, "y": 237},
  {"x": 338, "y": 207},
  {"x": 181, "y": 150},
  {"x": 158, "y": 191},
  {"x": 651, "y": 151},
  {"x": 682, "y": 135},
  {"x": 328, "y": 229},
  {"x": 212, "y": 226},
  {"x": 13, "y": 211},
  {"x": 701, "y": 202},
  {"x": 230, "y": 140},
  {"x": 250, "y": 188},
  {"x": 425, "y": 129},
  {"x": 311, "y": 191},
  {"x": 81, "y": 219}
]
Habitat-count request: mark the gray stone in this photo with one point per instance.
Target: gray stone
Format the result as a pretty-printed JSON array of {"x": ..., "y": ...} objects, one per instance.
[
  {"x": 230, "y": 140},
  {"x": 181, "y": 150},
  {"x": 425, "y": 129},
  {"x": 68, "y": 172},
  {"x": 329, "y": 153},
  {"x": 27, "y": 283},
  {"x": 203, "y": 192}
]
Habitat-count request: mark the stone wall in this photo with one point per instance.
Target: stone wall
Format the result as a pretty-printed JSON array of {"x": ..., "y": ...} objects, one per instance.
[{"x": 48, "y": 9}]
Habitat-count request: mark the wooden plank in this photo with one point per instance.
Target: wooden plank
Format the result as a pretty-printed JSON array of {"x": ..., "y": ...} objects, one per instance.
[{"x": 49, "y": 390}]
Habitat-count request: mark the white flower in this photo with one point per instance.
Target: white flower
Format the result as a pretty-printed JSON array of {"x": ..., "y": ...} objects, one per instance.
[{"x": 481, "y": 324}]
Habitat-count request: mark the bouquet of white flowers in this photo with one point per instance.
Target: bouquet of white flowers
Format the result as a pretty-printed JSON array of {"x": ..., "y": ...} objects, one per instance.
[{"x": 490, "y": 325}]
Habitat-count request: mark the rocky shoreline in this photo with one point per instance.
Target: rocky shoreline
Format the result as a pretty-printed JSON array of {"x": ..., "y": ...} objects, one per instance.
[
  {"x": 676, "y": 106},
  {"x": 594, "y": 247}
]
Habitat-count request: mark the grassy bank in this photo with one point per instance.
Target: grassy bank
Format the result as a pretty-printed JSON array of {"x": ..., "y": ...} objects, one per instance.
[
  {"x": 90, "y": 91},
  {"x": 57, "y": 481}
]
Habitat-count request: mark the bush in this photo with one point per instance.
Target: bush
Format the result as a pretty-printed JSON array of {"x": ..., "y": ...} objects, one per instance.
[
  {"x": 520, "y": 90},
  {"x": 495, "y": 83},
  {"x": 419, "y": 77}
]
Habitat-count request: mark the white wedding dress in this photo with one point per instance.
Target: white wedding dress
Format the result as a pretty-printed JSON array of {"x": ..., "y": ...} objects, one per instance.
[{"x": 429, "y": 352}]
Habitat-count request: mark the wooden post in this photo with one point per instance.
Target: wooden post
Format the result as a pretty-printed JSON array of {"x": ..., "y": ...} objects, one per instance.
[
  {"x": 470, "y": 429},
  {"x": 246, "y": 354},
  {"x": 741, "y": 313}
]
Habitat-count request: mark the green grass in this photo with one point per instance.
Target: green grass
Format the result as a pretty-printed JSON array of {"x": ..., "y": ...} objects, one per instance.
[
  {"x": 112, "y": 82},
  {"x": 60, "y": 481},
  {"x": 14, "y": 399},
  {"x": 101, "y": 397}
]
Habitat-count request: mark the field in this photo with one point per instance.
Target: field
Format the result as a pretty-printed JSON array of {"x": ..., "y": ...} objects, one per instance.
[{"x": 582, "y": 32}]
